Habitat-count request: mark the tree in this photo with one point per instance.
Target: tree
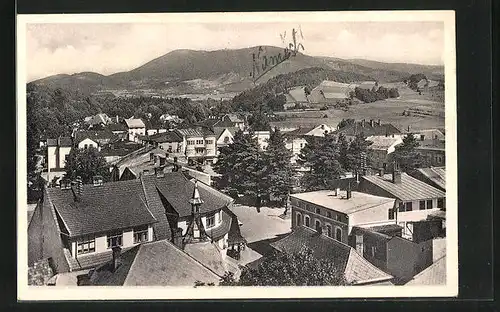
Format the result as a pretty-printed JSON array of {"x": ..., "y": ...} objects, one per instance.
[
  {"x": 86, "y": 163},
  {"x": 343, "y": 151},
  {"x": 345, "y": 122},
  {"x": 279, "y": 176},
  {"x": 406, "y": 154},
  {"x": 357, "y": 154},
  {"x": 258, "y": 121},
  {"x": 281, "y": 269},
  {"x": 321, "y": 155}
]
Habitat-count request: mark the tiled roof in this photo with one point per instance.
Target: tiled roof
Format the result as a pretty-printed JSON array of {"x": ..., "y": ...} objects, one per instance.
[
  {"x": 177, "y": 190},
  {"x": 432, "y": 144},
  {"x": 114, "y": 205},
  {"x": 234, "y": 118},
  {"x": 135, "y": 123},
  {"x": 222, "y": 229},
  {"x": 386, "y": 228},
  {"x": 207, "y": 254},
  {"x": 195, "y": 132},
  {"x": 234, "y": 236},
  {"x": 301, "y": 131},
  {"x": 435, "y": 174},
  {"x": 409, "y": 188},
  {"x": 356, "y": 269},
  {"x": 120, "y": 149},
  {"x": 61, "y": 142},
  {"x": 168, "y": 136},
  {"x": 98, "y": 135},
  {"x": 358, "y": 201},
  {"x": 435, "y": 274},
  {"x": 158, "y": 263},
  {"x": 117, "y": 127},
  {"x": 382, "y": 142},
  {"x": 368, "y": 130}
]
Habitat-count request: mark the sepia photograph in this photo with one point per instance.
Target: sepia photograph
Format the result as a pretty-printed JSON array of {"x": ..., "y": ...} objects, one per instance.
[{"x": 237, "y": 155}]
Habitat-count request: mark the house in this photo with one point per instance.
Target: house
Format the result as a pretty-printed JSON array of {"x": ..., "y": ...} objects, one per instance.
[
  {"x": 435, "y": 176},
  {"x": 118, "y": 128},
  {"x": 97, "y": 139},
  {"x": 232, "y": 121},
  {"x": 435, "y": 274},
  {"x": 295, "y": 139},
  {"x": 415, "y": 201},
  {"x": 80, "y": 224},
  {"x": 433, "y": 151},
  {"x": 298, "y": 95},
  {"x": 224, "y": 137},
  {"x": 57, "y": 152},
  {"x": 198, "y": 144},
  {"x": 384, "y": 247},
  {"x": 135, "y": 127},
  {"x": 381, "y": 149},
  {"x": 169, "y": 141},
  {"x": 98, "y": 119},
  {"x": 119, "y": 149},
  {"x": 336, "y": 212},
  {"x": 262, "y": 138},
  {"x": 158, "y": 263},
  {"x": 355, "y": 268},
  {"x": 428, "y": 134},
  {"x": 368, "y": 128},
  {"x": 153, "y": 131},
  {"x": 173, "y": 119},
  {"x": 330, "y": 91}
]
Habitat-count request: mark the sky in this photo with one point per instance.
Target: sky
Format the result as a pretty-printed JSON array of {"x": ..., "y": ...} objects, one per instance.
[{"x": 66, "y": 48}]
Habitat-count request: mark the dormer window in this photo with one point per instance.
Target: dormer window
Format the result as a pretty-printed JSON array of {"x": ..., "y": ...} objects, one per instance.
[{"x": 97, "y": 180}]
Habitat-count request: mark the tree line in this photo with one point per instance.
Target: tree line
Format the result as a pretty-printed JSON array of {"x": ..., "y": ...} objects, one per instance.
[{"x": 375, "y": 94}]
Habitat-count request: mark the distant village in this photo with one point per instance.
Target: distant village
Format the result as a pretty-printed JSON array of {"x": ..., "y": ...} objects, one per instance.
[{"x": 157, "y": 217}]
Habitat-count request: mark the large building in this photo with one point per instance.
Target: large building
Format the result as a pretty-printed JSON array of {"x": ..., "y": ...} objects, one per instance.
[
  {"x": 135, "y": 128},
  {"x": 367, "y": 128},
  {"x": 198, "y": 144},
  {"x": 57, "y": 152},
  {"x": 295, "y": 139},
  {"x": 76, "y": 226}
]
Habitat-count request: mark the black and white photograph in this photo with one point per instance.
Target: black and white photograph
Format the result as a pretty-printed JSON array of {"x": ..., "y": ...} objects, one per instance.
[{"x": 237, "y": 155}]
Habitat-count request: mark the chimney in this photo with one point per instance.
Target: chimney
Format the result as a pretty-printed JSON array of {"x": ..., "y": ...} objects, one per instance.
[
  {"x": 349, "y": 192},
  {"x": 116, "y": 256},
  {"x": 378, "y": 122},
  {"x": 396, "y": 175},
  {"x": 78, "y": 186},
  {"x": 371, "y": 123}
]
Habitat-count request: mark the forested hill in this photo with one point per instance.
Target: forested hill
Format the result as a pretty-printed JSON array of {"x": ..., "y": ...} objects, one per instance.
[{"x": 268, "y": 94}]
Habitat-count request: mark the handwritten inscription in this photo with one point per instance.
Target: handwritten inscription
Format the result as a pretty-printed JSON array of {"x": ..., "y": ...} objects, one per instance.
[{"x": 262, "y": 63}]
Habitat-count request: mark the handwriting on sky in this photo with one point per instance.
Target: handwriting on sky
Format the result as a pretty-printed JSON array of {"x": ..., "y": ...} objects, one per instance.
[{"x": 263, "y": 62}]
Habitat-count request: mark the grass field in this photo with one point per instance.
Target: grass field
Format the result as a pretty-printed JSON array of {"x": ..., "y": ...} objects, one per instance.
[{"x": 388, "y": 111}]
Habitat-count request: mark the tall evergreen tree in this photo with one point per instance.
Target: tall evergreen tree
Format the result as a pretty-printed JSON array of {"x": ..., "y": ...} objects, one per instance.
[
  {"x": 321, "y": 156},
  {"x": 279, "y": 177},
  {"x": 357, "y": 155},
  {"x": 343, "y": 151},
  {"x": 406, "y": 154}
]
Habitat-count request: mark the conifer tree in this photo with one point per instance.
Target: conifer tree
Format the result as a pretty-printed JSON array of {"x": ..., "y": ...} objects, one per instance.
[
  {"x": 321, "y": 156},
  {"x": 343, "y": 151},
  {"x": 406, "y": 154},
  {"x": 86, "y": 163},
  {"x": 357, "y": 155}
]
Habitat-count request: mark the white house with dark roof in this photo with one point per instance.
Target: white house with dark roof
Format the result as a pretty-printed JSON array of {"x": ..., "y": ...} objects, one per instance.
[
  {"x": 295, "y": 139},
  {"x": 57, "y": 152},
  {"x": 381, "y": 148},
  {"x": 135, "y": 127},
  {"x": 198, "y": 144}
]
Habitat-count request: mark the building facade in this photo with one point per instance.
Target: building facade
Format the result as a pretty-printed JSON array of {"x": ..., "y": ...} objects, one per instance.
[{"x": 57, "y": 152}]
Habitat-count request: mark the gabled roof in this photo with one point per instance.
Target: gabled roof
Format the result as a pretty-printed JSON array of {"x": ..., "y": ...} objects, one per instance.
[
  {"x": 409, "y": 188},
  {"x": 168, "y": 136},
  {"x": 300, "y": 131},
  {"x": 195, "y": 132},
  {"x": 117, "y": 127},
  {"x": 367, "y": 129},
  {"x": 97, "y": 135},
  {"x": 382, "y": 142},
  {"x": 357, "y": 270},
  {"x": 135, "y": 123},
  {"x": 435, "y": 274},
  {"x": 158, "y": 263},
  {"x": 298, "y": 94},
  {"x": 432, "y": 145},
  {"x": 114, "y": 205},
  {"x": 61, "y": 142},
  {"x": 436, "y": 175},
  {"x": 177, "y": 190},
  {"x": 208, "y": 255},
  {"x": 233, "y": 118}
]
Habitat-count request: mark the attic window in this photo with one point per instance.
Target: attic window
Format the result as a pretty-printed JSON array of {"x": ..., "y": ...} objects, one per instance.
[{"x": 97, "y": 180}]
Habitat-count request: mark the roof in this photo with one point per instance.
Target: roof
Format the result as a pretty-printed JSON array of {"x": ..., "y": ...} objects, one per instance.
[
  {"x": 437, "y": 175},
  {"x": 208, "y": 255},
  {"x": 168, "y": 136},
  {"x": 135, "y": 123},
  {"x": 380, "y": 142},
  {"x": 195, "y": 132},
  {"x": 114, "y": 205},
  {"x": 300, "y": 131},
  {"x": 409, "y": 188},
  {"x": 97, "y": 135},
  {"x": 158, "y": 263},
  {"x": 358, "y": 201},
  {"x": 234, "y": 236},
  {"x": 432, "y": 144},
  {"x": 298, "y": 94},
  {"x": 367, "y": 129},
  {"x": 61, "y": 142},
  {"x": 356, "y": 269},
  {"x": 120, "y": 149},
  {"x": 161, "y": 229},
  {"x": 177, "y": 190},
  {"x": 117, "y": 127},
  {"x": 220, "y": 130},
  {"x": 435, "y": 274},
  {"x": 233, "y": 118}
]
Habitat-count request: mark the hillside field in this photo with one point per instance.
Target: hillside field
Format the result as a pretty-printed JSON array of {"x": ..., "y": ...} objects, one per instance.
[{"x": 388, "y": 111}]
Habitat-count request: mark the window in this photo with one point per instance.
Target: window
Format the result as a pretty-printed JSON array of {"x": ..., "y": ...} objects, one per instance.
[
  {"x": 422, "y": 205},
  {"x": 210, "y": 141},
  {"x": 329, "y": 214},
  {"x": 317, "y": 225},
  {"x": 329, "y": 230},
  {"x": 226, "y": 139},
  {"x": 169, "y": 149},
  {"x": 429, "y": 204},
  {"x": 210, "y": 221},
  {"x": 115, "y": 239},
  {"x": 338, "y": 234},
  {"x": 408, "y": 206},
  {"x": 199, "y": 149},
  {"x": 299, "y": 219},
  {"x": 391, "y": 214},
  {"x": 307, "y": 221},
  {"x": 440, "y": 203},
  {"x": 199, "y": 141},
  {"x": 86, "y": 146},
  {"x": 422, "y": 137},
  {"x": 140, "y": 234},
  {"x": 337, "y": 217},
  {"x": 318, "y": 211},
  {"x": 85, "y": 245}
]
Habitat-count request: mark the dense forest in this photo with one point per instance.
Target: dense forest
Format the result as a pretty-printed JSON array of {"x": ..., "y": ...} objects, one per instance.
[
  {"x": 270, "y": 94},
  {"x": 373, "y": 95}
]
